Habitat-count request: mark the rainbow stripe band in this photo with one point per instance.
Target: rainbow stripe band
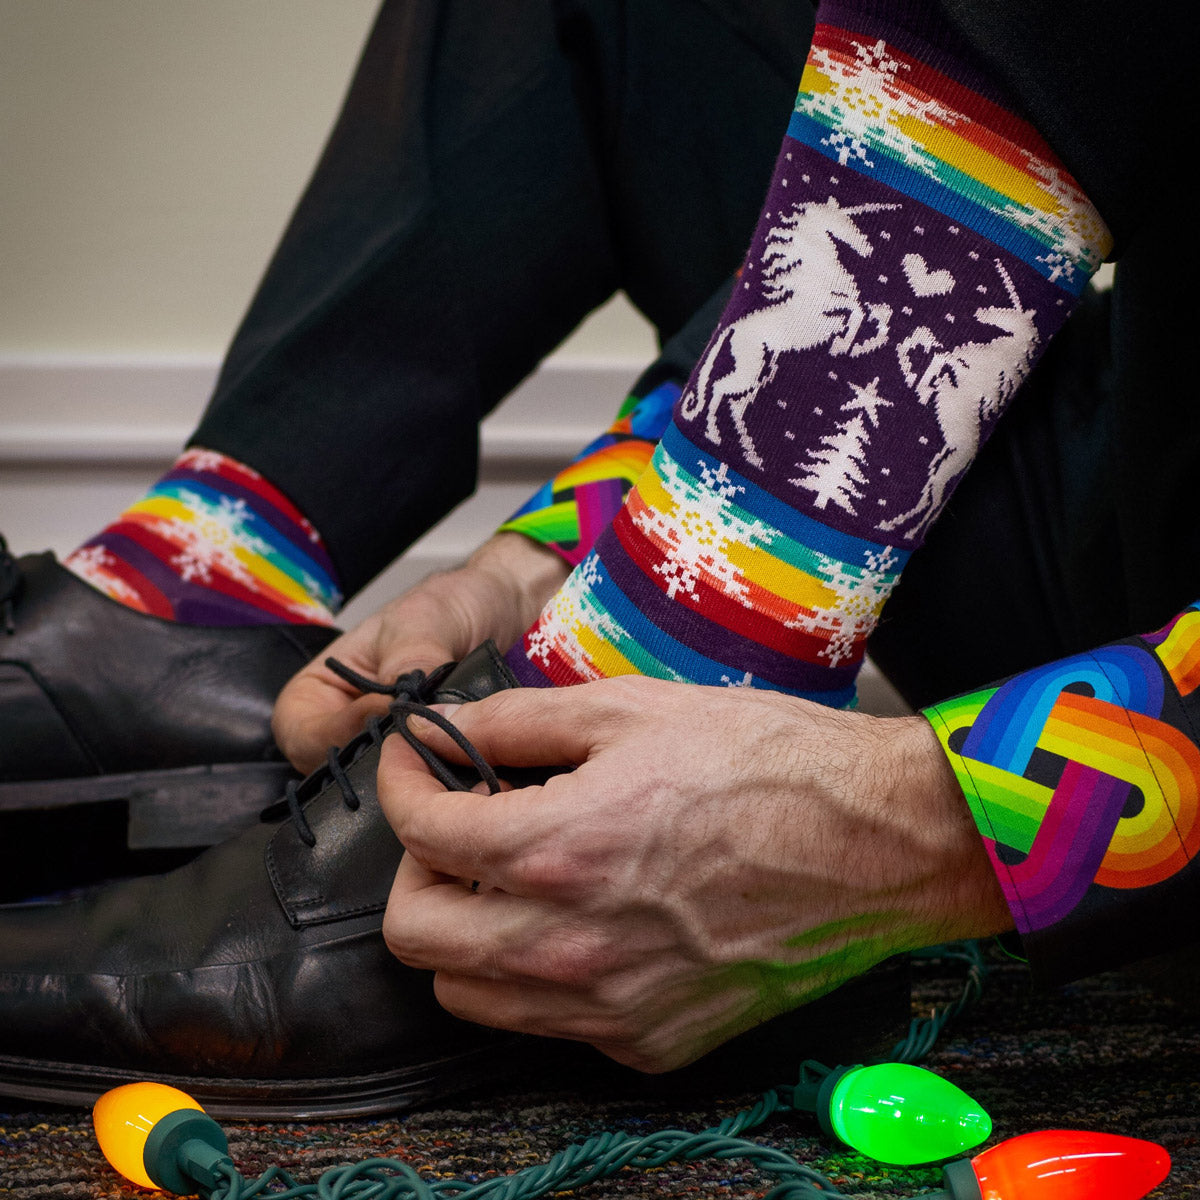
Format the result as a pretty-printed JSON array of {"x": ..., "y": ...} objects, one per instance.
[
  {"x": 873, "y": 109},
  {"x": 213, "y": 542}
]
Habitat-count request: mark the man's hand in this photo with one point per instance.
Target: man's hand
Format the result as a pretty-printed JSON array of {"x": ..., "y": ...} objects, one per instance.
[
  {"x": 496, "y": 594},
  {"x": 718, "y": 856}
]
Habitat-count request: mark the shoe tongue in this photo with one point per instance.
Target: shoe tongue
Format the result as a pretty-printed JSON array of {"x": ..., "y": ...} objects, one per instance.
[
  {"x": 480, "y": 674},
  {"x": 348, "y": 873}
]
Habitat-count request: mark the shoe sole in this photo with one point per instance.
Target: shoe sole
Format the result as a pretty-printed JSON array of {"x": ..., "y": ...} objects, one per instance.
[
  {"x": 77, "y": 1086},
  {"x": 856, "y": 1023},
  {"x": 179, "y": 808}
]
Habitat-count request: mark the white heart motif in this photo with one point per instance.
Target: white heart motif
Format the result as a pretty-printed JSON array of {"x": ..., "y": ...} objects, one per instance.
[{"x": 922, "y": 280}]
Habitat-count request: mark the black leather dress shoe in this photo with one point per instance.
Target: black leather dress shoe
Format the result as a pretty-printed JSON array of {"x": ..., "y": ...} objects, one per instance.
[
  {"x": 102, "y": 703},
  {"x": 256, "y": 977}
]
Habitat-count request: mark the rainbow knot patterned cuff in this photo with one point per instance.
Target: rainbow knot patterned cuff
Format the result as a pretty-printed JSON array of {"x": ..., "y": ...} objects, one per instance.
[
  {"x": 1083, "y": 778},
  {"x": 569, "y": 512}
]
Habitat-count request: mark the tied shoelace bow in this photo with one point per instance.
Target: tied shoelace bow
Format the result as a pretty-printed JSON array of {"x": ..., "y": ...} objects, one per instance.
[
  {"x": 10, "y": 583},
  {"x": 412, "y": 693}
]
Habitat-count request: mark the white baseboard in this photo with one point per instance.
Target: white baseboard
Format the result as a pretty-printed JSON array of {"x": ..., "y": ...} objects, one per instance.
[
  {"x": 126, "y": 412},
  {"x": 80, "y": 438}
]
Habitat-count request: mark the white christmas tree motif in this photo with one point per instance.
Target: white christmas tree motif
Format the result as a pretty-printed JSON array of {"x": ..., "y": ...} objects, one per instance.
[
  {"x": 835, "y": 472},
  {"x": 695, "y": 536},
  {"x": 859, "y": 594}
]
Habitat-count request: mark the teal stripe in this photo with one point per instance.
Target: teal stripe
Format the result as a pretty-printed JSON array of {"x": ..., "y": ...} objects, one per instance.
[
  {"x": 754, "y": 504},
  {"x": 295, "y": 565},
  {"x": 938, "y": 195}
]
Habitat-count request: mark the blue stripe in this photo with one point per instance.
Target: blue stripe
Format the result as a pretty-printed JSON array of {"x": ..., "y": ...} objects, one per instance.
[
  {"x": 988, "y": 222},
  {"x": 290, "y": 558},
  {"x": 695, "y": 667},
  {"x": 761, "y": 505}
]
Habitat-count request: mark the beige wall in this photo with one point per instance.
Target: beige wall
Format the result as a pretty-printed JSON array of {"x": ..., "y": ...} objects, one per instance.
[{"x": 151, "y": 152}]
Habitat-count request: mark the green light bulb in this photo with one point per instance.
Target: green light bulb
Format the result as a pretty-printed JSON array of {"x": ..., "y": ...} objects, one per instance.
[{"x": 904, "y": 1115}]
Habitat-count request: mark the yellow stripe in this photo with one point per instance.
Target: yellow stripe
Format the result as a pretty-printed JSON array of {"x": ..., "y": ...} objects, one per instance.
[
  {"x": 266, "y": 574},
  {"x": 956, "y": 151}
]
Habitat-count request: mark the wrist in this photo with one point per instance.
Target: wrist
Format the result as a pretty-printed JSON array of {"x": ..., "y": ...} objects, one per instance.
[
  {"x": 519, "y": 575},
  {"x": 964, "y": 898}
]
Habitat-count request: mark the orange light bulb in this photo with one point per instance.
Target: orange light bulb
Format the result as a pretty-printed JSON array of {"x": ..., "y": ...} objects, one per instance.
[{"x": 123, "y": 1119}]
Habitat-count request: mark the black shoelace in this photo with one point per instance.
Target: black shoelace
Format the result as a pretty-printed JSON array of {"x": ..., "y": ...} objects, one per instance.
[
  {"x": 10, "y": 583},
  {"x": 412, "y": 694}
]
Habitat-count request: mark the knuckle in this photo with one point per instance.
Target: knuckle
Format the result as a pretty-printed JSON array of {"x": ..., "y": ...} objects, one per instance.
[{"x": 579, "y": 960}]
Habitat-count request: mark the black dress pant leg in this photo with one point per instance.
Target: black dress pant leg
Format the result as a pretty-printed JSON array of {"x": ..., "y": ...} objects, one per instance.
[
  {"x": 497, "y": 171},
  {"x": 453, "y": 233}
]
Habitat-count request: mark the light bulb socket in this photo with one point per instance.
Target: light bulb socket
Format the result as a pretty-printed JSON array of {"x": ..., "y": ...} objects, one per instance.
[
  {"x": 183, "y": 1151},
  {"x": 960, "y": 1180},
  {"x": 825, "y": 1099}
]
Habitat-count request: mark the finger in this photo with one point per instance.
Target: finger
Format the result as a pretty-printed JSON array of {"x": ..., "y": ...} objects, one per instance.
[
  {"x": 318, "y": 708},
  {"x": 529, "y": 727},
  {"x": 527, "y": 1007},
  {"x": 312, "y": 714},
  {"x": 461, "y": 834},
  {"x": 436, "y": 924}
]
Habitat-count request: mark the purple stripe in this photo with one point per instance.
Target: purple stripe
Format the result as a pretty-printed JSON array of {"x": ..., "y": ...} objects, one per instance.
[
  {"x": 288, "y": 529},
  {"x": 527, "y": 674},
  {"x": 185, "y": 598},
  {"x": 710, "y": 639}
]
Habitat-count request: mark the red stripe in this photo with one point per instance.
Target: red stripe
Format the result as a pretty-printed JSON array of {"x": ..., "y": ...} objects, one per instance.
[
  {"x": 1002, "y": 133},
  {"x": 242, "y": 475},
  {"x": 152, "y": 599},
  {"x": 714, "y": 605},
  {"x": 163, "y": 549}
]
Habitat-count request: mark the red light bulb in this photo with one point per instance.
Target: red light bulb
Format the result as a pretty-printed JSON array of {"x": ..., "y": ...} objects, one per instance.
[{"x": 1061, "y": 1164}]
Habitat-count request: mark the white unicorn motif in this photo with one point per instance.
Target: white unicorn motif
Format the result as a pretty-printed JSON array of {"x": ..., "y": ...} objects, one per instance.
[
  {"x": 966, "y": 384},
  {"x": 812, "y": 301}
]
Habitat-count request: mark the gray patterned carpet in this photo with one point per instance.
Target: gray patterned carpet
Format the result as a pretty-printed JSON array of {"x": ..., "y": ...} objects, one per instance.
[{"x": 1110, "y": 1053}]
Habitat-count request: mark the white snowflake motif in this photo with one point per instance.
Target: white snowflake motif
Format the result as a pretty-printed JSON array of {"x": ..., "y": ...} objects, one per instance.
[
  {"x": 199, "y": 460},
  {"x": 209, "y": 541},
  {"x": 876, "y": 58},
  {"x": 589, "y": 570},
  {"x": 718, "y": 481},
  {"x": 863, "y": 101},
  {"x": 847, "y": 148},
  {"x": 572, "y": 611},
  {"x": 538, "y": 645},
  {"x": 89, "y": 558},
  {"x": 859, "y": 595},
  {"x": 1058, "y": 266},
  {"x": 91, "y": 563},
  {"x": 695, "y": 534},
  {"x": 747, "y": 680}
]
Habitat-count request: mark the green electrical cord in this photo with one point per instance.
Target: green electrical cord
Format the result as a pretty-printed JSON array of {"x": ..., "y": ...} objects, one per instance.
[{"x": 605, "y": 1154}]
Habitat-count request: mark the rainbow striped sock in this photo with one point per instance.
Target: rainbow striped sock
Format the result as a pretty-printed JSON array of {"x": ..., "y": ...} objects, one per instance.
[
  {"x": 919, "y": 246},
  {"x": 213, "y": 543}
]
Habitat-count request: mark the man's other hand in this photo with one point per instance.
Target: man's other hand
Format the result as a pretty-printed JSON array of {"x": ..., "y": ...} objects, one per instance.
[{"x": 716, "y": 857}]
